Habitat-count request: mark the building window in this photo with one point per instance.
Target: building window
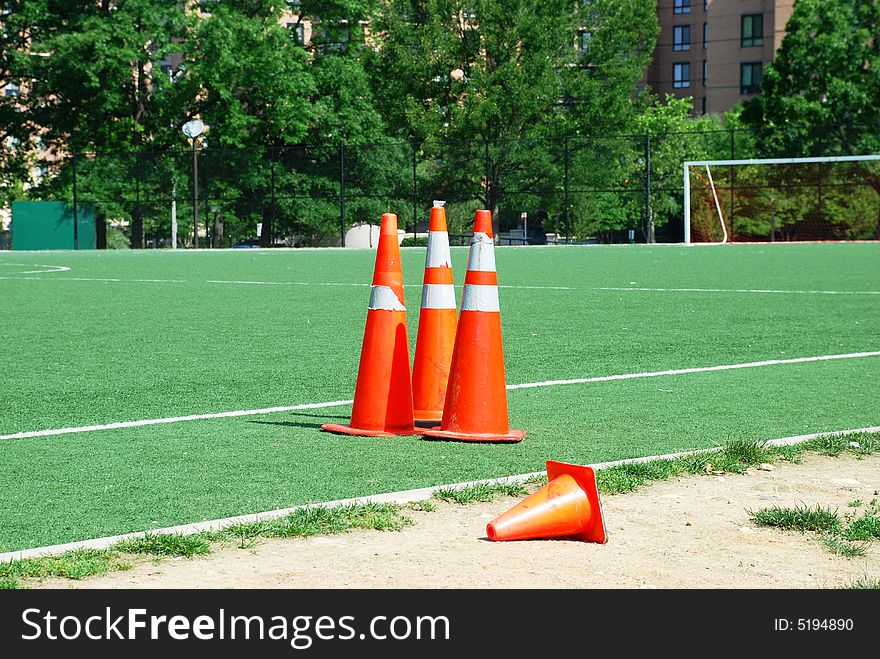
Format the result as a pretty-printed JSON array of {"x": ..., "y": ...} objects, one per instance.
[
  {"x": 297, "y": 32},
  {"x": 681, "y": 7},
  {"x": 750, "y": 74},
  {"x": 681, "y": 75},
  {"x": 752, "y": 30},
  {"x": 12, "y": 90},
  {"x": 681, "y": 37},
  {"x": 584, "y": 44},
  {"x": 704, "y": 105},
  {"x": 705, "y": 8},
  {"x": 705, "y": 72},
  {"x": 705, "y": 36},
  {"x": 334, "y": 41}
]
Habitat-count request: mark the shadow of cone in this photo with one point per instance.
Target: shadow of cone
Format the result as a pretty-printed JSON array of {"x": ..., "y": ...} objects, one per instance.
[
  {"x": 567, "y": 506},
  {"x": 383, "y": 404}
]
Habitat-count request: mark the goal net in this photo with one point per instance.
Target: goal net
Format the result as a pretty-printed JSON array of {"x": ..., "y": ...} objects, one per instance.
[{"x": 782, "y": 199}]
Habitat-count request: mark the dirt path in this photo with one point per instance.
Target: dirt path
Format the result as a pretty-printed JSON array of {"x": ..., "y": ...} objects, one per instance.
[{"x": 684, "y": 533}]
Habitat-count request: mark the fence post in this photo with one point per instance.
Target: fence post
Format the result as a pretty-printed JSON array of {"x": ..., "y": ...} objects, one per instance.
[
  {"x": 272, "y": 156},
  {"x": 209, "y": 234},
  {"x": 342, "y": 193},
  {"x": 649, "y": 221},
  {"x": 732, "y": 180},
  {"x": 137, "y": 230},
  {"x": 565, "y": 188},
  {"x": 75, "y": 214},
  {"x": 195, "y": 186},
  {"x": 415, "y": 146}
]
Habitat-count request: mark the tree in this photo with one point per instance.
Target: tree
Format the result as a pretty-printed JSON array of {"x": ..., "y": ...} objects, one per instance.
[
  {"x": 484, "y": 75},
  {"x": 821, "y": 95}
]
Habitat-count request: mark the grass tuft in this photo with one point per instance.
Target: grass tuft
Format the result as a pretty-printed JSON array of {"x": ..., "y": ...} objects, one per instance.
[
  {"x": 799, "y": 518},
  {"x": 9, "y": 584},
  {"x": 864, "y": 528},
  {"x": 865, "y": 583},
  {"x": 849, "y": 549},
  {"x": 323, "y": 521},
  {"x": 422, "y": 506},
  {"x": 160, "y": 544},
  {"x": 480, "y": 492},
  {"x": 76, "y": 564}
]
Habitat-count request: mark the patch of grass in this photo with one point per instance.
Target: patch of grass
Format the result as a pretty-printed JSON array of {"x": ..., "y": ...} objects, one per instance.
[
  {"x": 538, "y": 480},
  {"x": 854, "y": 504},
  {"x": 799, "y": 518},
  {"x": 849, "y": 549},
  {"x": 863, "y": 528},
  {"x": 323, "y": 521},
  {"x": 740, "y": 454},
  {"x": 76, "y": 564},
  {"x": 858, "y": 443},
  {"x": 866, "y": 583},
  {"x": 627, "y": 477},
  {"x": 793, "y": 453},
  {"x": 422, "y": 506},
  {"x": 160, "y": 544},
  {"x": 9, "y": 584},
  {"x": 480, "y": 492}
]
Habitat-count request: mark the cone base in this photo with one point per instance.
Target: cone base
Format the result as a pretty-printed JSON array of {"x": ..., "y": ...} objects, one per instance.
[
  {"x": 511, "y": 437},
  {"x": 586, "y": 478},
  {"x": 361, "y": 432},
  {"x": 428, "y": 418}
]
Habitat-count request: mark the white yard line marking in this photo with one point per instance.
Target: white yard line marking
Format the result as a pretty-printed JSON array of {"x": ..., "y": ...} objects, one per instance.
[
  {"x": 699, "y": 369},
  {"x": 731, "y": 290},
  {"x": 510, "y": 387},
  {"x": 174, "y": 419},
  {"x": 52, "y": 268},
  {"x": 403, "y": 497},
  {"x": 610, "y": 289}
]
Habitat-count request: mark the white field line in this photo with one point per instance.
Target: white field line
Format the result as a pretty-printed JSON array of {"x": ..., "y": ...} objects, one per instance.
[
  {"x": 253, "y": 283},
  {"x": 174, "y": 419},
  {"x": 637, "y": 289},
  {"x": 730, "y": 290},
  {"x": 510, "y": 387},
  {"x": 403, "y": 497}
]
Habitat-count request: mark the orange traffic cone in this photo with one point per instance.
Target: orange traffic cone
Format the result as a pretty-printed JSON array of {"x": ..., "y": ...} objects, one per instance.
[
  {"x": 383, "y": 395},
  {"x": 436, "y": 337},
  {"x": 568, "y": 505},
  {"x": 476, "y": 395}
]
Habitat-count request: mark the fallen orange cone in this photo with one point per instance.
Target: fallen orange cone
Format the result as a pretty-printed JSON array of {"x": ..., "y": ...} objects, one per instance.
[
  {"x": 475, "y": 409},
  {"x": 568, "y": 505},
  {"x": 383, "y": 404},
  {"x": 436, "y": 337}
]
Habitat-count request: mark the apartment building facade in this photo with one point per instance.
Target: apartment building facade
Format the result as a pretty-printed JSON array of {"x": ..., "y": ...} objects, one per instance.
[{"x": 715, "y": 51}]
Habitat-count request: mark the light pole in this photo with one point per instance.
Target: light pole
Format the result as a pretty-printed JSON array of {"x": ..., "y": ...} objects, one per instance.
[{"x": 192, "y": 129}]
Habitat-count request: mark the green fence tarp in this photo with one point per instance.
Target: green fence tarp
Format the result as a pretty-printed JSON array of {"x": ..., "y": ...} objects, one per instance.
[{"x": 50, "y": 225}]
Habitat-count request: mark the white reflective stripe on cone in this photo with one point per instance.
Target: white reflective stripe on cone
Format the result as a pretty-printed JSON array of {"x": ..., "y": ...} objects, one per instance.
[
  {"x": 438, "y": 296},
  {"x": 480, "y": 298},
  {"x": 382, "y": 298},
  {"x": 438, "y": 250},
  {"x": 482, "y": 254}
]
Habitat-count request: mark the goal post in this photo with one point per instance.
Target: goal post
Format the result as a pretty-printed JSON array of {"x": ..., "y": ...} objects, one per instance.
[{"x": 784, "y": 199}]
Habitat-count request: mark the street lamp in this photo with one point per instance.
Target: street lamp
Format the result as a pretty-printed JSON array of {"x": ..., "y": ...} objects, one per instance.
[{"x": 192, "y": 129}]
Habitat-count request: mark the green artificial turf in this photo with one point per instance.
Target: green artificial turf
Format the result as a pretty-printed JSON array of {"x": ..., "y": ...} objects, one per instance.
[{"x": 80, "y": 352}]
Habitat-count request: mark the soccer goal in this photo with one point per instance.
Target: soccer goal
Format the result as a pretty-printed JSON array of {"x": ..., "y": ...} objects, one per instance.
[{"x": 782, "y": 199}]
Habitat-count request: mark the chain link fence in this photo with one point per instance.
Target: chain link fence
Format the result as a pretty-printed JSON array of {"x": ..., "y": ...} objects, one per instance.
[{"x": 613, "y": 188}]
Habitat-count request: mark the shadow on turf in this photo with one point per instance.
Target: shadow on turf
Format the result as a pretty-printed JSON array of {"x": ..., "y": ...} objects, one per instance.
[{"x": 302, "y": 424}]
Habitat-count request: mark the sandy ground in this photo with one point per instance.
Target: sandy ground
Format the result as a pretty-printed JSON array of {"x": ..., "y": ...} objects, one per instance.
[{"x": 691, "y": 532}]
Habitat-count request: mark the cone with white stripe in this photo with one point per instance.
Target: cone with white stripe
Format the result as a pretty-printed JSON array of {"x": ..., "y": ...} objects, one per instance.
[
  {"x": 475, "y": 409},
  {"x": 436, "y": 337},
  {"x": 383, "y": 404}
]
